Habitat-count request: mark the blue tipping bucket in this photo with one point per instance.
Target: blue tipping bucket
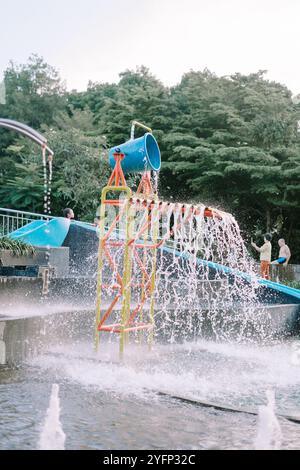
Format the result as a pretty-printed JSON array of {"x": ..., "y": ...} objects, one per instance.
[{"x": 141, "y": 154}]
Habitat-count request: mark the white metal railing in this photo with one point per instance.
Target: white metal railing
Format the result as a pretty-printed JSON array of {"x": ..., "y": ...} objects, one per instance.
[{"x": 11, "y": 220}]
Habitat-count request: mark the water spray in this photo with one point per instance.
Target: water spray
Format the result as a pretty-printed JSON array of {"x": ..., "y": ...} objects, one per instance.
[{"x": 133, "y": 228}]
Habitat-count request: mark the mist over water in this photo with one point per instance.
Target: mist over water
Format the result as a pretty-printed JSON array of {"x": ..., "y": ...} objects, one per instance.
[
  {"x": 104, "y": 403},
  {"x": 206, "y": 370},
  {"x": 110, "y": 404}
]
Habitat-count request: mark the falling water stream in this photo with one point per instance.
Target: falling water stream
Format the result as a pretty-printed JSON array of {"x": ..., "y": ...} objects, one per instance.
[{"x": 52, "y": 436}]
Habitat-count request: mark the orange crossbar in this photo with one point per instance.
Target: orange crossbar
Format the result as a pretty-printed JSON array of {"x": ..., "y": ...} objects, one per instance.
[
  {"x": 117, "y": 327},
  {"x": 113, "y": 286},
  {"x": 141, "y": 264},
  {"x": 114, "y": 223},
  {"x": 108, "y": 311},
  {"x": 113, "y": 202},
  {"x": 113, "y": 266}
]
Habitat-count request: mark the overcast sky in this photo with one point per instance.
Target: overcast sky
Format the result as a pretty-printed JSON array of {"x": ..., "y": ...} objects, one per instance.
[{"x": 97, "y": 39}]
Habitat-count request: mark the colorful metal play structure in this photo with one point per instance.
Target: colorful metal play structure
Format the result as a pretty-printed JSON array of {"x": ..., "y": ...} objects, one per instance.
[
  {"x": 133, "y": 230},
  {"x": 133, "y": 156}
]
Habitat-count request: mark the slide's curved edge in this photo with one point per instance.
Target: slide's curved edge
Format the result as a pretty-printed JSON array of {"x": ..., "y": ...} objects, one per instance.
[
  {"x": 53, "y": 233},
  {"x": 40, "y": 233}
]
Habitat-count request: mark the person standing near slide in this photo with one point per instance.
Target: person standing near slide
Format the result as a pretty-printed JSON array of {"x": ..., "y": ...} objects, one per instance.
[
  {"x": 265, "y": 255},
  {"x": 284, "y": 253}
]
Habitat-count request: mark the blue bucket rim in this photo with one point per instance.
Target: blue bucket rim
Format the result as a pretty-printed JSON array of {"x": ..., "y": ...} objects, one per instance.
[{"x": 145, "y": 136}]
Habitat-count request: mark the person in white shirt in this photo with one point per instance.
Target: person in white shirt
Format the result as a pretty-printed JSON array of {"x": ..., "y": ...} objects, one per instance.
[
  {"x": 284, "y": 253},
  {"x": 265, "y": 255}
]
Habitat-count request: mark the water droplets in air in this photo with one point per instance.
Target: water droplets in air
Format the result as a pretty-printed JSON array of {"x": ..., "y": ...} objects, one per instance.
[{"x": 48, "y": 174}]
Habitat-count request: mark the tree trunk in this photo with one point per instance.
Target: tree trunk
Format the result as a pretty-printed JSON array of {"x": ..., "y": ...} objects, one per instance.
[
  {"x": 289, "y": 234},
  {"x": 268, "y": 219}
]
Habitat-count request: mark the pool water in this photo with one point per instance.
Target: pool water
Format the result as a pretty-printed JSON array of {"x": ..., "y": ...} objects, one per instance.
[{"x": 106, "y": 404}]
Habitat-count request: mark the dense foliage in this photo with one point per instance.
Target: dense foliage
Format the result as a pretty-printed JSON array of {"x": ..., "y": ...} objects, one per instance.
[{"x": 233, "y": 142}]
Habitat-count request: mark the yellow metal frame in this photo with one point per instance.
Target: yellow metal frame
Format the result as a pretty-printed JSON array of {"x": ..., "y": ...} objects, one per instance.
[
  {"x": 145, "y": 200},
  {"x": 127, "y": 268},
  {"x": 126, "y": 209}
]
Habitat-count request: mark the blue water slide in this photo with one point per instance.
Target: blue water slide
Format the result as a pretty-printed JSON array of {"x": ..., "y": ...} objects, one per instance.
[
  {"x": 55, "y": 232},
  {"x": 290, "y": 291},
  {"x": 43, "y": 232},
  {"x": 274, "y": 286}
]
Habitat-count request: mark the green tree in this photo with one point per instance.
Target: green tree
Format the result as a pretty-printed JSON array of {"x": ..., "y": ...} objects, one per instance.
[
  {"x": 34, "y": 92},
  {"x": 25, "y": 189},
  {"x": 229, "y": 141},
  {"x": 80, "y": 170}
]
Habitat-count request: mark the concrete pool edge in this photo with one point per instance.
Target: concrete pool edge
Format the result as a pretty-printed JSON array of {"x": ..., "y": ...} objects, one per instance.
[{"x": 27, "y": 336}]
